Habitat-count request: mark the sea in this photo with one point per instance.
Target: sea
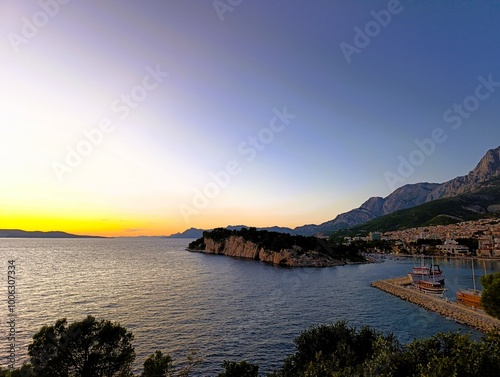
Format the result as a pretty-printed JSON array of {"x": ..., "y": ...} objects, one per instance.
[{"x": 178, "y": 301}]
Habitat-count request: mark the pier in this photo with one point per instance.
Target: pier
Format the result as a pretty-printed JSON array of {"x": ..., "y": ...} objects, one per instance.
[{"x": 401, "y": 287}]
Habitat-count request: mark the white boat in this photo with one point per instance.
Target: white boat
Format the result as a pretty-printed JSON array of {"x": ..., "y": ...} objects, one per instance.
[{"x": 433, "y": 273}]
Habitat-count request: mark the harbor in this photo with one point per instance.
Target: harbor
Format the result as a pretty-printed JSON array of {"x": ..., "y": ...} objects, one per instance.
[{"x": 401, "y": 287}]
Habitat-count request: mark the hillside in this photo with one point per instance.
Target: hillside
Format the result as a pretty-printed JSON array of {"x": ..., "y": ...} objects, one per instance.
[{"x": 481, "y": 203}]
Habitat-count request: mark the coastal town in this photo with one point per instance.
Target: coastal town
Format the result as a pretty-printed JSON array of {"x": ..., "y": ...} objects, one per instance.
[
  {"x": 479, "y": 238},
  {"x": 425, "y": 285}
]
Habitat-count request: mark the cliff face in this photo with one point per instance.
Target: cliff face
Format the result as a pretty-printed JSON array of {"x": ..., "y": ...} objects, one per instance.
[
  {"x": 486, "y": 169},
  {"x": 237, "y": 246}
]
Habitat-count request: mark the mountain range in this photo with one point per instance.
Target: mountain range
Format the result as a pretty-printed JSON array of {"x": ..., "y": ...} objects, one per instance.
[
  {"x": 412, "y": 195},
  {"x": 482, "y": 177}
]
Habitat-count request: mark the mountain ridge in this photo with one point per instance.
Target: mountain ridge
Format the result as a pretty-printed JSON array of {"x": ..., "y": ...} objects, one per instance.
[
  {"x": 483, "y": 202},
  {"x": 415, "y": 194},
  {"x": 407, "y": 196}
]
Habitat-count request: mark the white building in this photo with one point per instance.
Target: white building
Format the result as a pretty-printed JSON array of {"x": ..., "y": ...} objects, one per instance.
[{"x": 453, "y": 248}]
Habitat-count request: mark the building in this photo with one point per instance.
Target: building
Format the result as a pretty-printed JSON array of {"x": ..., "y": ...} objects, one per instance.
[
  {"x": 452, "y": 247},
  {"x": 485, "y": 248}
]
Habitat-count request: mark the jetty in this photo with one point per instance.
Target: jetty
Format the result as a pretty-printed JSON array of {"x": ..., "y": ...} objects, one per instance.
[{"x": 401, "y": 287}]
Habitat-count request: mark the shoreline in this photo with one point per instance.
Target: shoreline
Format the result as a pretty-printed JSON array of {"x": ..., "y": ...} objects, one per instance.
[
  {"x": 461, "y": 314},
  {"x": 314, "y": 264}
]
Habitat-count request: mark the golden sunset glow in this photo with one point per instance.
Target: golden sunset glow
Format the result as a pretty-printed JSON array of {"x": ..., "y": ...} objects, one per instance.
[{"x": 124, "y": 120}]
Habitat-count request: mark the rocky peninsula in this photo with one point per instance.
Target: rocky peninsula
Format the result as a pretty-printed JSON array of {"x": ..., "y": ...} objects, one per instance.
[{"x": 280, "y": 249}]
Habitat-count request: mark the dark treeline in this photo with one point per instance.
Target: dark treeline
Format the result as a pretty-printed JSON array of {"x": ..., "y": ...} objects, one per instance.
[
  {"x": 273, "y": 241},
  {"x": 92, "y": 348}
]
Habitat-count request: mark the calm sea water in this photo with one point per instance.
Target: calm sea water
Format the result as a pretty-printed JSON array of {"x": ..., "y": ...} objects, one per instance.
[{"x": 227, "y": 309}]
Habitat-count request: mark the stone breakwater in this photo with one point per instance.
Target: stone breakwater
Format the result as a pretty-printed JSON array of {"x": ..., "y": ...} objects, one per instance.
[
  {"x": 400, "y": 287},
  {"x": 238, "y": 247}
]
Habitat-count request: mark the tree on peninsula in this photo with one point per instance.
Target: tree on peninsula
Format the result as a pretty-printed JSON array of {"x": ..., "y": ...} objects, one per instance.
[{"x": 490, "y": 297}]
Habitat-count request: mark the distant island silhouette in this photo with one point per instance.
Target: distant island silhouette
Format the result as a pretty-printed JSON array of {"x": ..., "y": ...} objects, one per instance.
[{"x": 17, "y": 233}]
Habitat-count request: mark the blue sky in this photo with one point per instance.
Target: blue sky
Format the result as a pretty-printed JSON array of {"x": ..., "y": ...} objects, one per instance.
[{"x": 182, "y": 87}]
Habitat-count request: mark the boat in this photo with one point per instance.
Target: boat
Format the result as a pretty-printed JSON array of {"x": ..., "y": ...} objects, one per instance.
[
  {"x": 433, "y": 273},
  {"x": 426, "y": 286},
  {"x": 470, "y": 297}
]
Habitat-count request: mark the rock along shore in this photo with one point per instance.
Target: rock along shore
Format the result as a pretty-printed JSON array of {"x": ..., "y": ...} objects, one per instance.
[
  {"x": 238, "y": 247},
  {"x": 400, "y": 287}
]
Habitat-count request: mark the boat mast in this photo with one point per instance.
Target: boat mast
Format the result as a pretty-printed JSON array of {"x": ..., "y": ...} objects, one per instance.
[
  {"x": 473, "y": 277},
  {"x": 432, "y": 268}
]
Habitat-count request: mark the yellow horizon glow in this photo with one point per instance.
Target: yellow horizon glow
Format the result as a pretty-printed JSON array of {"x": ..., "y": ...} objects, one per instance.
[
  {"x": 84, "y": 226},
  {"x": 111, "y": 225}
]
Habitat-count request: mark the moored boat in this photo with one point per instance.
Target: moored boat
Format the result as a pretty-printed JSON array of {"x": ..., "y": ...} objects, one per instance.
[
  {"x": 432, "y": 274},
  {"x": 426, "y": 286},
  {"x": 469, "y": 297}
]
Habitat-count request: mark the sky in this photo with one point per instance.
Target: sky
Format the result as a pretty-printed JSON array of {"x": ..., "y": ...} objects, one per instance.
[{"x": 127, "y": 118}]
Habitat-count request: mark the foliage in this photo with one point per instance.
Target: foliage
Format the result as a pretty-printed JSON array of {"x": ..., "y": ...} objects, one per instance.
[
  {"x": 471, "y": 242},
  {"x": 339, "y": 350},
  {"x": 101, "y": 349},
  {"x": 323, "y": 349},
  {"x": 429, "y": 241},
  {"x": 241, "y": 369},
  {"x": 490, "y": 297},
  {"x": 193, "y": 360},
  {"x": 157, "y": 365},
  {"x": 454, "y": 354},
  {"x": 197, "y": 244},
  {"x": 89, "y": 348},
  {"x": 25, "y": 371}
]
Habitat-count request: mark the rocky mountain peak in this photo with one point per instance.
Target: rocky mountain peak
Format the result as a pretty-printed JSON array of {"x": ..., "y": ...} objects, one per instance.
[
  {"x": 374, "y": 205},
  {"x": 408, "y": 196},
  {"x": 488, "y": 167}
]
